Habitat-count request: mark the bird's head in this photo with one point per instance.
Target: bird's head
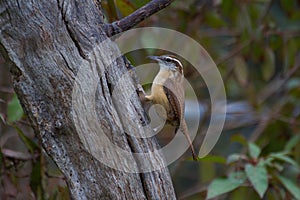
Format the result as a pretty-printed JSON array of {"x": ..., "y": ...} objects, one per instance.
[{"x": 168, "y": 62}]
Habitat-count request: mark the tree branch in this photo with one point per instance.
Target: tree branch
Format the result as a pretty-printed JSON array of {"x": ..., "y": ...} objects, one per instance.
[
  {"x": 61, "y": 66},
  {"x": 136, "y": 17}
]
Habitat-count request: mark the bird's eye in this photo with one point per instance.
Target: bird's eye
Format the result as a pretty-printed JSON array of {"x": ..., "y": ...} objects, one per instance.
[{"x": 168, "y": 60}]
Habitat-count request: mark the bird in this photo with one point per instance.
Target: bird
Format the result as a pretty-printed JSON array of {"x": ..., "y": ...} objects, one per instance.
[{"x": 167, "y": 90}]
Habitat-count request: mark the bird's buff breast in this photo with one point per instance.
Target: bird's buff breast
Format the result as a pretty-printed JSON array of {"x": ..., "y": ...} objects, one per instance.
[{"x": 159, "y": 96}]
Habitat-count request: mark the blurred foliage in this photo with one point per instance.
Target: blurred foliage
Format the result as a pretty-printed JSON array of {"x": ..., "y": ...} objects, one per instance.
[
  {"x": 256, "y": 46},
  {"x": 262, "y": 173},
  {"x": 24, "y": 166}
]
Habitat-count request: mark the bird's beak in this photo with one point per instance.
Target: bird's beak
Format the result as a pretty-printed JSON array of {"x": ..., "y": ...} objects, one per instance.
[{"x": 154, "y": 58}]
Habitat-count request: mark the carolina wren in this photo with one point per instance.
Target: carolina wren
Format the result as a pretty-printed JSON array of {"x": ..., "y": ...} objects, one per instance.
[{"x": 168, "y": 91}]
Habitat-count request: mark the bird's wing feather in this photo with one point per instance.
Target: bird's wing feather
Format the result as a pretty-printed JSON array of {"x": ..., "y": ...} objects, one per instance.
[{"x": 175, "y": 95}]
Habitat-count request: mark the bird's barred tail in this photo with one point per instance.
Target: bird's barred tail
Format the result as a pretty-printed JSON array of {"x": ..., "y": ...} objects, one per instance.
[{"x": 185, "y": 131}]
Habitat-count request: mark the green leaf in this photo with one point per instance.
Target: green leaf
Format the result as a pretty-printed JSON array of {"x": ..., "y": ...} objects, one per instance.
[
  {"x": 275, "y": 42},
  {"x": 64, "y": 192},
  {"x": 229, "y": 8},
  {"x": 235, "y": 157},
  {"x": 214, "y": 159},
  {"x": 279, "y": 167},
  {"x": 292, "y": 187},
  {"x": 292, "y": 48},
  {"x": 36, "y": 179},
  {"x": 125, "y": 7},
  {"x": 254, "y": 150},
  {"x": 293, "y": 83},
  {"x": 239, "y": 138},
  {"x": 27, "y": 141},
  {"x": 14, "y": 110},
  {"x": 292, "y": 142},
  {"x": 110, "y": 7},
  {"x": 268, "y": 67},
  {"x": 241, "y": 70},
  {"x": 214, "y": 20},
  {"x": 268, "y": 161},
  {"x": 221, "y": 186},
  {"x": 287, "y": 5},
  {"x": 140, "y": 3},
  {"x": 258, "y": 177},
  {"x": 283, "y": 156}
]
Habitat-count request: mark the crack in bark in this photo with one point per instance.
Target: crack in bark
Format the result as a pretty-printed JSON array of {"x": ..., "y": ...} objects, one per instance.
[
  {"x": 144, "y": 185},
  {"x": 70, "y": 32},
  {"x": 109, "y": 85},
  {"x": 65, "y": 60},
  {"x": 142, "y": 178}
]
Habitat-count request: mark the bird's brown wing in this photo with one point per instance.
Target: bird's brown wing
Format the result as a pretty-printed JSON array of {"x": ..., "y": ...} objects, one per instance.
[
  {"x": 175, "y": 115},
  {"x": 175, "y": 95}
]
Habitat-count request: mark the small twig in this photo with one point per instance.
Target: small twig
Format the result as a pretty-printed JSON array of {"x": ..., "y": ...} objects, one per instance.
[
  {"x": 245, "y": 44},
  {"x": 25, "y": 122},
  {"x": 18, "y": 155},
  {"x": 275, "y": 109},
  {"x": 265, "y": 12},
  {"x": 234, "y": 52},
  {"x": 281, "y": 33},
  {"x": 136, "y": 17},
  {"x": 6, "y": 89},
  {"x": 277, "y": 84},
  {"x": 264, "y": 122},
  {"x": 290, "y": 120},
  {"x": 211, "y": 33},
  {"x": 197, "y": 189},
  {"x": 54, "y": 176}
]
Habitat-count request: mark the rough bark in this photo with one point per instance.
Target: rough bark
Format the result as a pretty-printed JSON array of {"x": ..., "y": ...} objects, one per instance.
[{"x": 47, "y": 42}]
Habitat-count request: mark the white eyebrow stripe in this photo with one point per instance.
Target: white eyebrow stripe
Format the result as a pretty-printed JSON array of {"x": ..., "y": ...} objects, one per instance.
[
  {"x": 177, "y": 61},
  {"x": 174, "y": 59}
]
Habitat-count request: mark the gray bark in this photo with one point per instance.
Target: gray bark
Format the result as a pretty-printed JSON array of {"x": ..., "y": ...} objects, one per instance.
[{"x": 47, "y": 42}]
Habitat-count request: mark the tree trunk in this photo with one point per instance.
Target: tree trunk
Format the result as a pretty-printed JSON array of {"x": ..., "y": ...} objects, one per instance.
[{"x": 52, "y": 43}]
